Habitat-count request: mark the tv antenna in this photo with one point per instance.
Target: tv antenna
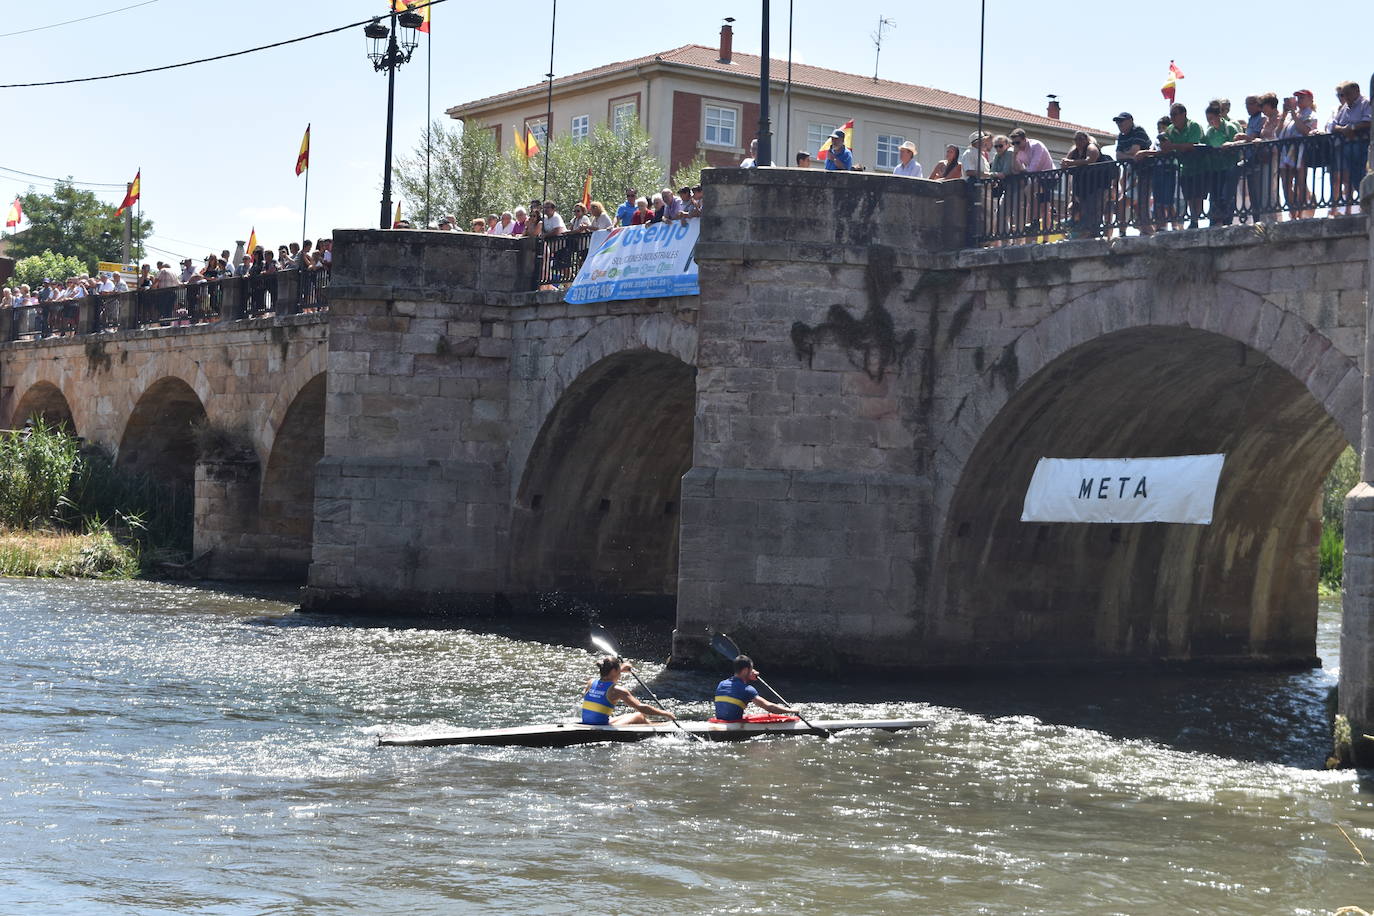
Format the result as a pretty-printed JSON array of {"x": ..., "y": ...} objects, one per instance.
[{"x": 883, "y": 24}]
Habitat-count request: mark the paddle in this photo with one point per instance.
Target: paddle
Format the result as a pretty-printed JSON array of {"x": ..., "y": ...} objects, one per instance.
[
  {"x": 726, "y": 646},
  {"x": 602, "y": 640}
]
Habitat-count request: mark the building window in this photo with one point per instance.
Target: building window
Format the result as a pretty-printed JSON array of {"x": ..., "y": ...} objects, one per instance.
[
  {"x": 623, "y": 114},
  {"x": 887, "y": 157},
  {"x": 721, "y": 126},
  {"x": 539, "y": 127},
  {"x": 818, "y": 135},
  {"x": 581, "y": 126}
]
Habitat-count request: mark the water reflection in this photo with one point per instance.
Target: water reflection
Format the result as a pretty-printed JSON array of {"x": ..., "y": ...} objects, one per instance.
[{"x": 174, "y": 750}]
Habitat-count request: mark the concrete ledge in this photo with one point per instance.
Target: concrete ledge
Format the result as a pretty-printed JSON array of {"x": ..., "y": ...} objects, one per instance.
[{"x": 246, "y": 325}]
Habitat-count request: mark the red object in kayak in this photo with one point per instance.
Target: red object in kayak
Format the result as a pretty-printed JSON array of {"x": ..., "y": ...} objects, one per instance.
[{"x": 766, "y": 719}]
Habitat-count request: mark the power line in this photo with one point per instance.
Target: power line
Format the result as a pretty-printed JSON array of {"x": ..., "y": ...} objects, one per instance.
[
  {"x": 85, "y": 184},
  {"x": 206, "y": 60},
  {"x": 72, "y": 21}
]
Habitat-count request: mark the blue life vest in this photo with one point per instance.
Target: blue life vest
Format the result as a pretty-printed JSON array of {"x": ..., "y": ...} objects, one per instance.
[
  {"x": 596, "y": 709},
  {"x": 732, "y": 698}
]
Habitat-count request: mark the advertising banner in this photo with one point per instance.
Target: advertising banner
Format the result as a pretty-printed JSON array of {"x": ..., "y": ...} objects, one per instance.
[
  {"x": 1124, "y": 490},
  {"x": 637, "y": 262}
]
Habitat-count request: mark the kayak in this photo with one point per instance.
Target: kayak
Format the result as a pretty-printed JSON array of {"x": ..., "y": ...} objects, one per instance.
[{"x": 567, "y": 734}]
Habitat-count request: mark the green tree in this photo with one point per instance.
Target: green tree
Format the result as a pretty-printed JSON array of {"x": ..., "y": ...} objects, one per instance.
[
  {"x": 689, "y": 176},
  {"x": 73, "y": 222},
  {"x": 35, "y": 267},
  {"x": 1344, "y": 474},
  {"x": 617, "y": 160},
  {"x": 468, "y": 176}
]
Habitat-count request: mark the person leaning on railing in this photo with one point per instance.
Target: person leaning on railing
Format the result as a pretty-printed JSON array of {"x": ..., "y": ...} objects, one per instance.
[
  {"x": 1350, "y": 125},
  {"x": 1133, "y": 200},
  {"x": 1092, "y": 176},
  {"x": 1298, "y": 120},
  {"x": 1220, "y": 166},
  {"x": 1183, "y": 137}
]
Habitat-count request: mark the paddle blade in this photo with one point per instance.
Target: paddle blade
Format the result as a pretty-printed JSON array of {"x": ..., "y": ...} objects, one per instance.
[
  {"x": 602, "y": 640},
  {"x": 725, "y": 646}
]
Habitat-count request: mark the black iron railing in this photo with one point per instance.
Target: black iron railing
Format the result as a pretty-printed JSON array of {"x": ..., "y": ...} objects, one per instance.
[
  {"x": 1215, "y": 186},
  {"x": 285, "y": 292},
  {"x": 558, "y": 259}
]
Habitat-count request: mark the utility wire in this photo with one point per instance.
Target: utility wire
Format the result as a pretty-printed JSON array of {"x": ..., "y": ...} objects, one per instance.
[
  {"x": 206, "y": 60},
  {"x": 86, "y": 184},
  {"x": 73, "y": 21}
]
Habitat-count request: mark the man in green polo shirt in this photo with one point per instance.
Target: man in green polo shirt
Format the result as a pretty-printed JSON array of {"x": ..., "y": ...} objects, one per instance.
[{"x": 1181, "y": 138}]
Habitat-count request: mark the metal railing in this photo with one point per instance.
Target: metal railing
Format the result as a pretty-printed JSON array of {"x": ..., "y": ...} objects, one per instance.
[
  {"x": 558, "y": 259},
  {"x": 1221, "y": 186},
  {"x": 286, "y": 292}
]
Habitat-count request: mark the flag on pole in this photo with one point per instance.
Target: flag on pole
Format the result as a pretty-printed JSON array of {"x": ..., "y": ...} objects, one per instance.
[
  {"x": 400, "y": 7},
  {"x": 587, "y": 191},
  {"x": 1170, "y": 87},
  {"x": 531, "y": 145},
  {"x": 397, "y": 220},
  {"x": 303, "y": 157},
  {"x": 132, "y": 197},
  {"x": 253, "y": 241},
  {"x": 520, "y": 141},
  {"x": 15, "y": 215},
  {"x": 848, "y": 129}
]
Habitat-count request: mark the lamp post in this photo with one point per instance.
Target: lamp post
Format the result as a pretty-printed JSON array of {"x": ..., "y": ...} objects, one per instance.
[
  {"x": 387, "y": 53},
  {"x": 765, "y": 153}
]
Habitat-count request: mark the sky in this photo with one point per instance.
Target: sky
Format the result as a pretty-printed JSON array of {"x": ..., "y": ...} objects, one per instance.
[{"x": 217, "y": 142}]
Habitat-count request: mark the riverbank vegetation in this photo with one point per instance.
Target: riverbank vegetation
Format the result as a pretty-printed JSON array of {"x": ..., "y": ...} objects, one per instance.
[
  {"x": 1345, "y": 473},
  {"x": 66, "y": 510}
]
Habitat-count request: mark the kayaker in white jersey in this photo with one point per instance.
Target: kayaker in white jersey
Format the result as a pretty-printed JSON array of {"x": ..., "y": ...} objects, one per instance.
[{"x": 600, "y": 698}]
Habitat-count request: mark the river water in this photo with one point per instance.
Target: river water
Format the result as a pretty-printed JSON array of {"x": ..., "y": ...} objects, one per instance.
[{"x": 174, "y": 750}]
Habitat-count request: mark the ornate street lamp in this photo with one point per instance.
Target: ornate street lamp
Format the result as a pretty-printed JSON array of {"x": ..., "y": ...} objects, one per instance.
[{"x": 387, "y": 53}]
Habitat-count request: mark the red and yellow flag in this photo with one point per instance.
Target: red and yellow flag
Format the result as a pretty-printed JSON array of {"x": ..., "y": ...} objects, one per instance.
[
  {"x": 531, "y": 145},
  {"x": 848, "y": 129},
  {"x": 395, "y": 222},
  {"x": 132, "y": 197},
  {"x": 519, "y": 141},
  {"x": 15, "y": 215},
  {"x": 1170, "y": 87},
  {"x": 252, "y": 241},
  {"x": 303, "y": 157},
  {"x": 400, "y": 7},
  {"x": 587, "y": 191}
]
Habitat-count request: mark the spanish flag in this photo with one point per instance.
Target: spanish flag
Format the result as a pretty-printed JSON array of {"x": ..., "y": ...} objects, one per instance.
[
  {"x": 400, "y": 7},
  {"x": 132, "y": 197},
  {"x": 15, "y": 215},
  {"x": 531, "y": 145},
  {"x": 848, "y": 129},
  {"x": 252, "y": 241},
  {"x": 1170, "y": 87},
  {"x": 587, "y": 191},
  {"x": 303, "y": 157}
]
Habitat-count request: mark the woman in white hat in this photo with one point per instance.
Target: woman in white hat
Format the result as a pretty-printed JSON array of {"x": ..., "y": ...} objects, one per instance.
[{"x": 908, "y": 166}]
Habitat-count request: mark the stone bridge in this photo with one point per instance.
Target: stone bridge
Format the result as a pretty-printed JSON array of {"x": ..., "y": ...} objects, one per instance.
[{"x": 828, "y": 449}]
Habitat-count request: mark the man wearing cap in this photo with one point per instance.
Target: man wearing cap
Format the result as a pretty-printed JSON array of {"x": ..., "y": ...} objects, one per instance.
[
  {"x": 908, "y": 166},
  {"x": 1131, "y": 138},
  {"x": 445, "y": 224},
  {"x": 838, "y": 157},
  {"x": 803, "y": 159},
  {"x": 974, "y": 160}
]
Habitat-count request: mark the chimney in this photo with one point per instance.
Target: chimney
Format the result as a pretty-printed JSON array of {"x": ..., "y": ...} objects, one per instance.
[
  {"x": 727, "y": 39},
  {"x": 1052, "y": 110}
]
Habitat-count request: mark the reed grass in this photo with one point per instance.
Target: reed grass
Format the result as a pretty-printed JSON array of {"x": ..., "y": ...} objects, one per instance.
[{"x": 66, "y": 555}]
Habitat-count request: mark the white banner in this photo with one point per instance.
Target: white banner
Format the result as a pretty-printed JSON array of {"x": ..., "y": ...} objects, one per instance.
[
  {"x": 637, "y": 262},
  {"x": 1124, "y": 490}
]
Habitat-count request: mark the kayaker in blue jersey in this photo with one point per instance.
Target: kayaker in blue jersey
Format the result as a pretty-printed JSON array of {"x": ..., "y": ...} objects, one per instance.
[
  {"x": 602, "y": 696},
  {"x": 733, "y": 695}
]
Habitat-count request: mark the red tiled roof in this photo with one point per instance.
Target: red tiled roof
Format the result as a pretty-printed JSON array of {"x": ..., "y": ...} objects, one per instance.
[{"x": 700, "y": 57}]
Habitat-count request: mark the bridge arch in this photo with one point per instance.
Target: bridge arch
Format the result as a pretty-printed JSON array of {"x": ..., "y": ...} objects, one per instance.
[
  {"x": 47, "y": 401},
  {"x": 597, "y": 505},
  {"x": 158, "y": 440},
  {"x": 1127, "y": 374},
  {"x": 286, "y": 508}
]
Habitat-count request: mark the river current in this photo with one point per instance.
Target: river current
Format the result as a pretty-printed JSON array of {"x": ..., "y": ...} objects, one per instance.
[{"x": 175, "y": 750}]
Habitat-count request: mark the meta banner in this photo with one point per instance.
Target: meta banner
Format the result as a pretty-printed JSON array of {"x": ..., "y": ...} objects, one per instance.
[
  {"x": 636, "y": 262},
  {"x": 1124, "y": 490}
]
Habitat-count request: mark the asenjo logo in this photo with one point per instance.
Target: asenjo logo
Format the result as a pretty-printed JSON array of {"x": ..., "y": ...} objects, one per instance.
[
  {"x": 662, "y": 235},
  {"x": 613, "y": 272}
]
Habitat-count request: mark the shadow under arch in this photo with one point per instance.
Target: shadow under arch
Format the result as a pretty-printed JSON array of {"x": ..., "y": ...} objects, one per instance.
[
  {"x": 45, "y": 401},
  {"x": 158, "y": 443},
  {"x": 1241, "y": 590},
  {"x": 286, "y": 508},
  {"x": 597, "y": 507}
]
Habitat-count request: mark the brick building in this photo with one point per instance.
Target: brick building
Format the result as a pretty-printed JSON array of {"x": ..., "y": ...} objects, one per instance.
[{"x": 698, "y": 99}]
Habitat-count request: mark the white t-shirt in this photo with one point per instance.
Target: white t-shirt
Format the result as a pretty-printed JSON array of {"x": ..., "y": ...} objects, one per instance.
[
  {"x": 107, "y": 286},
  {"x": 974, "y": 162},
  {"x": 553, "y": 223},
  {"x": 602, "y": 222}
]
